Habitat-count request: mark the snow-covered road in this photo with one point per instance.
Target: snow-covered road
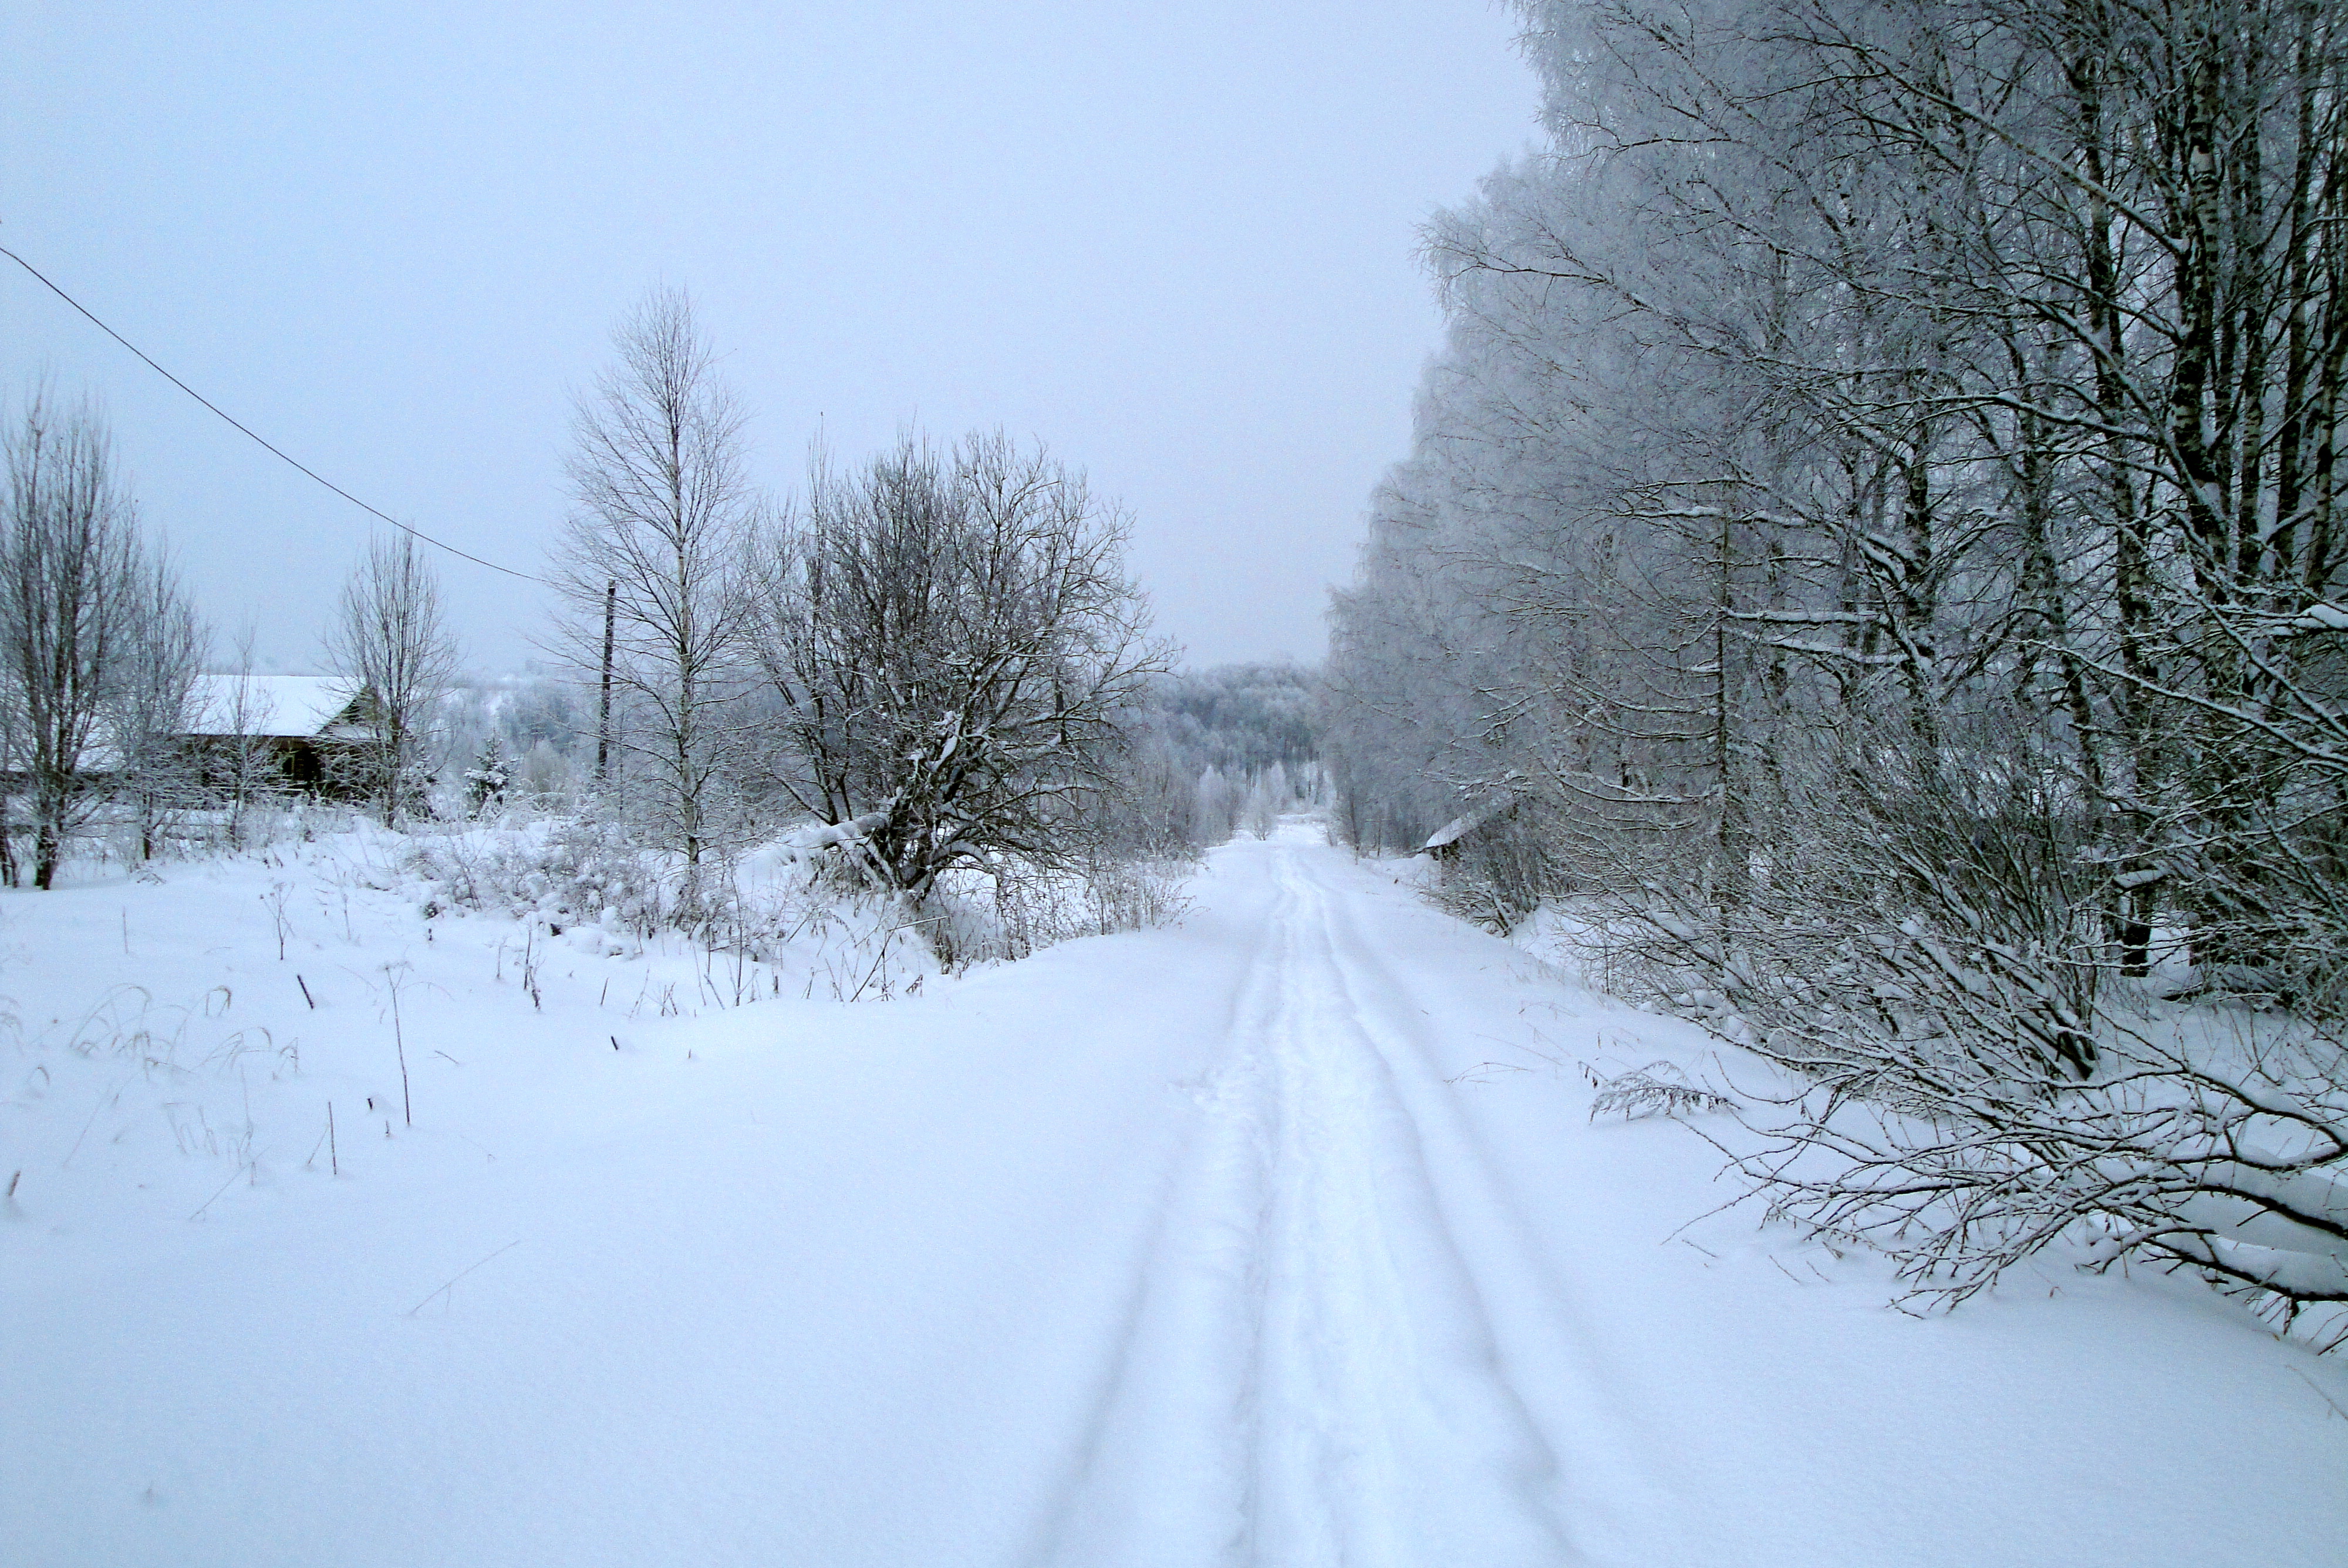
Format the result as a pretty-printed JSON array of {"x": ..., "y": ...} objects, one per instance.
[
  {"x": 1280, "y": 1237},
  {"x": 1307, "y": 1374}
]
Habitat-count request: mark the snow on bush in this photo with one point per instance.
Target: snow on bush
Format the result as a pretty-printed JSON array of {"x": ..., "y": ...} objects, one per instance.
[
  {"x": 2209, "y": 1141},
  {"x": 571, "y": 870},
  {"x": 809, "y": 885}
]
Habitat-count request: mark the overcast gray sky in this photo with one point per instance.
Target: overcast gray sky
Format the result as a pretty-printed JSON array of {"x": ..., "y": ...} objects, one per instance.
[{"x": 1174, "y": 240}]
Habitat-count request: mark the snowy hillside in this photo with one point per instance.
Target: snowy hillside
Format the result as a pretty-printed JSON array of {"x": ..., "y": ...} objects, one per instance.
[{"x": 1282, "y": 1235}]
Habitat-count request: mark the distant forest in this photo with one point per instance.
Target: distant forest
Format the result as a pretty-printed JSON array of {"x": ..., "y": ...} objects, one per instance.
[{"x": 1241, "y": 720}]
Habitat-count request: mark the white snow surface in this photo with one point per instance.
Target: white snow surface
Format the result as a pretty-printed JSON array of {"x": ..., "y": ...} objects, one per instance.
[{"x": 1280, "y": 1237}]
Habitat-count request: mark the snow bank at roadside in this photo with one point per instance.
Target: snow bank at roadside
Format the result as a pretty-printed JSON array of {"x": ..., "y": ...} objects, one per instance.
[{"x": 210, "y": 1030}]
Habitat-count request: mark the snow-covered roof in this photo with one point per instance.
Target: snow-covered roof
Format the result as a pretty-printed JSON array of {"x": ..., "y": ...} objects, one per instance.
[
  {"x": 276, "y": 704},
  {"x": 1459, "y": 827}
]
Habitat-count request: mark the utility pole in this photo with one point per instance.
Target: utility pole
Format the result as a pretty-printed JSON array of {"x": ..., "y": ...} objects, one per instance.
[{"x": 603, "y": 719}]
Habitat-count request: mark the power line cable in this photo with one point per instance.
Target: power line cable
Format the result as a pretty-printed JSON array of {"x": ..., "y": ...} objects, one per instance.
[{"x": 249, "y": 433}]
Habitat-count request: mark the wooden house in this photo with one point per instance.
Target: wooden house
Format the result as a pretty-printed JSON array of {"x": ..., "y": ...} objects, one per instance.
[{"x": 307, "y": 732}]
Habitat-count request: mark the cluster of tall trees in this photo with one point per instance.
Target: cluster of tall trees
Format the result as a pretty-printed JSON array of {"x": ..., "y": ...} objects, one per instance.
[
  {"x": 936, "y": 652},
  {"x": 1876, "y": 529},
  {"x": 99, "y": 646}
]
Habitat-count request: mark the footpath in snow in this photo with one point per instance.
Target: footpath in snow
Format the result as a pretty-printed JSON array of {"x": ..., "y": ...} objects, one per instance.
[{"x": 1280, "y": 1237}]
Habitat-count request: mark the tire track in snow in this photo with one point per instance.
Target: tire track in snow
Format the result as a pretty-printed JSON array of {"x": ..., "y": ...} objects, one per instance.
[
  {"x": 1414, "y": 1448},
  {"x": 1162, "y": 1473},
  {"x": 1390, "y": 1005},
  {"x": 1306, "y": 1377}
]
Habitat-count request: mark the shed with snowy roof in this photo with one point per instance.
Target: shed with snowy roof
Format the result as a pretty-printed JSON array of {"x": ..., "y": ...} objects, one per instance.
[{"x": 1445, "y": 841}]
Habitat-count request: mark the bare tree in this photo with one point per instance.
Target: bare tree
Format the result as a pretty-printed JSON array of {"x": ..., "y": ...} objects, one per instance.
[
  {"x": 392, "y": 652},
  {"x": 243, "y": 764},
  {"x": 153, "y": 706},
  {"x": 69, "y": 559},
  {"x": 648, "y": 569},
  {"x": 14, "y": 735},
  {"x": 954, "y": 656}
]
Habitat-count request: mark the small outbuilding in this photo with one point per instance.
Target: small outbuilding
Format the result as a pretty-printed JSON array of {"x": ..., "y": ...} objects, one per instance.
[{"x": 1445, "y": 842}]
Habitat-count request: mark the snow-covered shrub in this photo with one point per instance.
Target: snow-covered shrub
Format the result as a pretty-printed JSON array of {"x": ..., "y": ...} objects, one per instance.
[
  {"x": 1013, "y": 909},
  {"x": 1955, "y": 906},
  {"x": 573, "y": 869},
  {"x": 1658, "y": 1088},
  {"x": 1932, "y": 968},
  {"x": 1964, "y": 1085},
  {"x": 1135, "y": 895},
  {"x": 1475, "y": 901},
  {"x": 2223, "y": 1154}
]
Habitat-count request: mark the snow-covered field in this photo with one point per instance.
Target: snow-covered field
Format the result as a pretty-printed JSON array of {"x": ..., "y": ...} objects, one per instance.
[{"x": 1279, "y": 1236}]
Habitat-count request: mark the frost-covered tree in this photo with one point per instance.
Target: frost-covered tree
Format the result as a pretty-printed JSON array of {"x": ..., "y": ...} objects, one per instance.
[
  {"x": 649, "y": 573},
  {"x": 100, "y": 649},
  {"x": 393, "y": 656},
  {"x": 1261, "y": 812},
  {"x": 487, "y": 780},
  {"x": 153, "y": 707},
  {"x": 953, "y": 657},
  {"x": 241, "y": 767},
  {"x": 1220, "y": 799},
  {"x": 69, "y": 581}
]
